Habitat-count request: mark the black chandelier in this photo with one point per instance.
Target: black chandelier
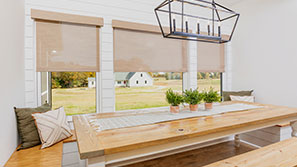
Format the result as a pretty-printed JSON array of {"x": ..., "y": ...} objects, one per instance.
[{"x": 197, "y": 20}]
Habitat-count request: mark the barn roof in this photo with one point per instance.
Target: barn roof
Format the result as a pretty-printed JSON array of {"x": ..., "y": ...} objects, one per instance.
[{"x": 123, "y": 76}]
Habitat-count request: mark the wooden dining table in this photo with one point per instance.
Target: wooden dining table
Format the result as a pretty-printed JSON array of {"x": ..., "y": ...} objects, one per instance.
[{"x": 123, "y": 146}]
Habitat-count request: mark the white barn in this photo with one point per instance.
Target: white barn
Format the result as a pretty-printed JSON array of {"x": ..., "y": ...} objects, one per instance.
[
  {"x": 91, "y": 83},
  {"x": 133, "y": 79}
]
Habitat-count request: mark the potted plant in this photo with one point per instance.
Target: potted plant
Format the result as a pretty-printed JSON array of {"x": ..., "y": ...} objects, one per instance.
[
  {"x": 210, "y": 97},
  {"x": 193, "y": 98},
  {"x": 174, "y": 99}
]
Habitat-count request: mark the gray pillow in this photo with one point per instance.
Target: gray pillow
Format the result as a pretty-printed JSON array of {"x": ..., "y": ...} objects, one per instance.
[
  {"x": 226, "y": 94},
  {"x": 26, "y": 125}
]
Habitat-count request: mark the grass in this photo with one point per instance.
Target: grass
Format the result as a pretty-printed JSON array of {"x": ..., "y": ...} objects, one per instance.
[
  {"x": 83, "y": 100},
  {"x": 145, "y": 97},
  {"x": 75, "y": 100},
  {"x": 154, "y": 96},
  {"x": 205, "y": 84}
]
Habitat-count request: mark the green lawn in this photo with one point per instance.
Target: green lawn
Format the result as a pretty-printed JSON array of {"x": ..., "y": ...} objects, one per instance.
[
  {"x": 154, "y": 96},
  {"x": 83, "y": 100},
  {"x": 145, "y": 97},
  {"x": 75, "y": 100},
  {"x": 205, "y": 84}
]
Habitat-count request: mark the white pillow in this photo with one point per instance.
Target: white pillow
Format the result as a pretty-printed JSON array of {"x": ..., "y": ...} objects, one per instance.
[
  {"x": 52, "y": 127},
  {"x": 243, "y": 98}
]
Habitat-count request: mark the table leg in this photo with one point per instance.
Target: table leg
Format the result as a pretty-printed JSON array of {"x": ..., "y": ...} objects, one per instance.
[
  {"x": 237, "y": 140},
  {"x": 96, "y": 162},
  {"x": 293, "y": 125}
]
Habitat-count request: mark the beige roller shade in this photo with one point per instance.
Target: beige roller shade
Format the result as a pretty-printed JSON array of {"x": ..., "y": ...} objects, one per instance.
[
  {"x": 66, "y": 47},
  {"x": 147, "y": 51},
  {"x": 66, "y": 42},
  {"x": 210, "y": 57}
]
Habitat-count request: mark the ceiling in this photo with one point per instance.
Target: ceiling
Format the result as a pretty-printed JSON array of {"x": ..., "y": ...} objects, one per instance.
[{"x": 228, "y": 3}]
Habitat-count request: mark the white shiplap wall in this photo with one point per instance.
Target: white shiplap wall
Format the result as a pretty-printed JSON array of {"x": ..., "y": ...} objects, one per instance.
[{"x": 128, "y": 10}]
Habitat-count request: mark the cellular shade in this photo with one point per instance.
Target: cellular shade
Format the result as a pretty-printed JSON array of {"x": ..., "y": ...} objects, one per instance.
[
  {"x": 64, "y": 46},
  {"x": 147, "y": 51},
  {"x": 210, "y": 57}
]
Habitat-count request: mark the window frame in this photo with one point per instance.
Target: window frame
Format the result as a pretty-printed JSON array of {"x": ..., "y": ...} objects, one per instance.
[
  {"x": 221, "y": 83},
  {"x": 184, "y": 78},
  {"x": 97, "y": 91}
]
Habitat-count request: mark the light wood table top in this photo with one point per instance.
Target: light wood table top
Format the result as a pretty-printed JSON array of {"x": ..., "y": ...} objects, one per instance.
[{"x": 93, "y": 144}]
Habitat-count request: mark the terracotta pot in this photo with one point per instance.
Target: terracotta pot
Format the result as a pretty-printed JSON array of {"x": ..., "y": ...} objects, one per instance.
[
  {"x": 193, "y": 107},
  {"x": 208, "y": 106},
  {"x": 174, "y": 109}
]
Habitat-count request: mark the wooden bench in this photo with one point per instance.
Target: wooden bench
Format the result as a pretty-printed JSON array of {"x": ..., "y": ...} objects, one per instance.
[
  {"x": 281, "y": 154},
  {"x": 34, "y": 157}
]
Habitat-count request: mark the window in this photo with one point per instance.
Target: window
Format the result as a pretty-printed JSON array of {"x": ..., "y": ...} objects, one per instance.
[
  {"x": 141, "y": 75},
  {"x": 72, "y": 91},
  {"x": 209, "y": 79},
  {"x": 148, "y": 93},
  {"x": 136, "y": 82},
  {"x": 119, "y": 82}
]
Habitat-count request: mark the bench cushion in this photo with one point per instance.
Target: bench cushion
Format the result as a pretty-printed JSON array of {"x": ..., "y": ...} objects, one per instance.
[
  {"x": 226, "y": 94},
  {"x": 281, "y": 154}
]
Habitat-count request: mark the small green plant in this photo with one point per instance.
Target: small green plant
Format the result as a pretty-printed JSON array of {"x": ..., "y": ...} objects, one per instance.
[
  {"x": 211, "y": 96},
  {"x": 173, "y": 98},
  {"x": 193, "y": 97}
]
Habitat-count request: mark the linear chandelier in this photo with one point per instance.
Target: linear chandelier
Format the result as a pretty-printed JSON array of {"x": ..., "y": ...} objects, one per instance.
[{"x": 197, "y": 20}]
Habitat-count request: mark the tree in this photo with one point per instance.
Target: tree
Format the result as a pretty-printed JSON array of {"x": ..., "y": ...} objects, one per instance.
[
  {"x": 151, "y": 74},
  {"x": 167, "y": 76},
  {"x": 71, "y": 79},
  {"x": 216, "y": 75},
  {"x": 206, "y": 75},
  {"x": 199, "y": 76}
]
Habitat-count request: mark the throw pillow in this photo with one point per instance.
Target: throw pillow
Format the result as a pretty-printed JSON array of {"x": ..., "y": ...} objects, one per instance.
[
  {"x": 26, "y": 126},
  {"x": 243, "y": 98},
  {"x": 226, "y": 94},
  {"x": 52, "y": 127}
]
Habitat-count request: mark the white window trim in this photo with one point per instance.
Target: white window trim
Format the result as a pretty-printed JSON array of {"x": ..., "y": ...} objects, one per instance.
[
  {"x": 38, "y": 77},
  {"x": 185, "y": 86},
  {"x": 98, "y": 88}
]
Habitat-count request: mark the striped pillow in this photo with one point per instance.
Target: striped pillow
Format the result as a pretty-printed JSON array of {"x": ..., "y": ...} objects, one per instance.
[
  {"x": 52, "y": 127},
  {"x": 243, "y": 98}
]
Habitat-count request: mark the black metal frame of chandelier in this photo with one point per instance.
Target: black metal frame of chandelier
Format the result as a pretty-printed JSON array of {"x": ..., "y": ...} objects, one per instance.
[{"x": 198, "y": 37}]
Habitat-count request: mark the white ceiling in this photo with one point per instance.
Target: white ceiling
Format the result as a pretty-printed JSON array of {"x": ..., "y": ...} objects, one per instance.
[{"x": 228, "y": 3}]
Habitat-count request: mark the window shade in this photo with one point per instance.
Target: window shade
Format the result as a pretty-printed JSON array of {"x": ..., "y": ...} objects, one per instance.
[
  {"x": 66, "y": 42},
  {"x": 66, "y": 47},
  {"x": 147, "y": 51},
  {"x": 210, "y": 57}
]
